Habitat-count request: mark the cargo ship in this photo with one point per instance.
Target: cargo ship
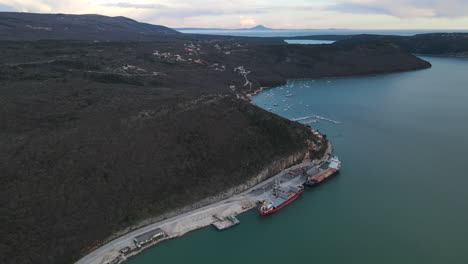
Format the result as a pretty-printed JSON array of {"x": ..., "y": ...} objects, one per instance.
[
  {"x": 281, "y": 198},
  {"x": 333, "y": 167}
]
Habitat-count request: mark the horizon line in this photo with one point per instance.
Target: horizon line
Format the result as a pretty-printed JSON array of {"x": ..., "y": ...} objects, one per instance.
[{"x": 221, "y": 28}]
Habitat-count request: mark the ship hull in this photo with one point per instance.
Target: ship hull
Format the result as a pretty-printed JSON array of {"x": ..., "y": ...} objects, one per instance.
[
  {"x": 290, "y": 200},
  {"x": 318, "y": 179},
  {"x": 311, "y": 184}
]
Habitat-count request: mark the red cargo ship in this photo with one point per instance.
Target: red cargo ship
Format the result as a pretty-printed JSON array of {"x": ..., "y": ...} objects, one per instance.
[{"x": 281, "y": 198}]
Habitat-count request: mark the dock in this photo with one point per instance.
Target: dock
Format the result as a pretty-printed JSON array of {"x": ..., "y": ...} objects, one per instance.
[{"x": 225, "y": 223}]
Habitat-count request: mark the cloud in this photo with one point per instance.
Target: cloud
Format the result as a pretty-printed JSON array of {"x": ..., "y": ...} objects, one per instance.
[
  {"x": 6, "y": 8},
  {"x": 51, "y": 6},
  {"x": 138, "y": 6},
  {"x": 357, "y": 8},
  {"x": 403, "y": 8},
  {"x": 272, "y": 13},
  {"x": 197, "y": 8},
  {"x": 247, "y": 21}
]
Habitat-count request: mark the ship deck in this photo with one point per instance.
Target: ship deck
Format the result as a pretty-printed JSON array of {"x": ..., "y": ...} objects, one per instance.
[{"x": 322, "y": 175}]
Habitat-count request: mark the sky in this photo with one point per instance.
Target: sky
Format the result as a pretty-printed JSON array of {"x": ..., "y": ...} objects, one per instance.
[{"x": 290, "y": 14}]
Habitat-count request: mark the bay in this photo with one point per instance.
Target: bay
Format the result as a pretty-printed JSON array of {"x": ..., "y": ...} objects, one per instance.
[{"x": 401, "y": 195}]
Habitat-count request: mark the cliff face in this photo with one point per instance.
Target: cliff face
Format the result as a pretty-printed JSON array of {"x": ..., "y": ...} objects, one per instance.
[
  {"x": 99, "y": 136},
  {"x": 74, "y": 178}
]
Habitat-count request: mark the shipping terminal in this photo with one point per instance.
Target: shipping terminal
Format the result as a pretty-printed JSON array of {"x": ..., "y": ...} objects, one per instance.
[
  {"x": 282, "y": 196},
  {"x": 267, "y": 197}
]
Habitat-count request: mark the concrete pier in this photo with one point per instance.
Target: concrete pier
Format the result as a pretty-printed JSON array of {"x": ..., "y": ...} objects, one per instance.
[{"x": 228, "y": 222}]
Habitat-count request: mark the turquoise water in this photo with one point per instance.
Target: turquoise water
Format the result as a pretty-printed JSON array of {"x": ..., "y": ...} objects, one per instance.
[{"x": 401, "y": 196}]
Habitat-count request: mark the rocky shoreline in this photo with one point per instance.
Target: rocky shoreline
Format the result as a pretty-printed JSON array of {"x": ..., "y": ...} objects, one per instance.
[
  {"x": 233, "y": 202},
  {"x": 272, "y": 171}
]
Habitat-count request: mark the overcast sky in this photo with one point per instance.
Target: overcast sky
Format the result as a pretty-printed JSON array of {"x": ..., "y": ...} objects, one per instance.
[{"x": 298, "y": 14}]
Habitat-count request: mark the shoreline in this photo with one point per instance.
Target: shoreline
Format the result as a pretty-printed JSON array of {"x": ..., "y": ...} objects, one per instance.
[
  {"x": 226, "y": 203},
  {"x": 162, "y": 133},
  {"x": 446, "y": 55},
  {"x": 263, "y": 88},
  {"x": 200, "y": 214},
  {"x": 180, "y": 224}
]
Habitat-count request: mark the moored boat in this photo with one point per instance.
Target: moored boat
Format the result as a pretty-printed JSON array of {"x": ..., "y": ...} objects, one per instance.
[
  {"x": 281, "y": 198},
  {"x": 333, "y": 167}
]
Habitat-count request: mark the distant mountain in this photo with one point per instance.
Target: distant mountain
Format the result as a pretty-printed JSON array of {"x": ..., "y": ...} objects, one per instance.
[
  {"x": 259, "y": 27},
  {"x": 31, "y": 26}
]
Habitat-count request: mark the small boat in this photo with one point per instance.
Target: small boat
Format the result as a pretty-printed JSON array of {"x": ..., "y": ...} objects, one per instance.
[{"x": 289, "y": 95}]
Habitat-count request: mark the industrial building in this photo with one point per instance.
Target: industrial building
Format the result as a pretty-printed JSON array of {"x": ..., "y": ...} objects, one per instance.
[{"x": 149, "y": 237}]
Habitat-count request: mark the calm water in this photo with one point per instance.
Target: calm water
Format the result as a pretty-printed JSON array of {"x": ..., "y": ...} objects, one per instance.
[
  {"x": 309, "y": 42},
  {"x": 401, "y": 196},
  {"x": 308, "y": 32}
]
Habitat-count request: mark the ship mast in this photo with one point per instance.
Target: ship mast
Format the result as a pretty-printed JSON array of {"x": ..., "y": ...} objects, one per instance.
[{"x": 276, "y": 188}]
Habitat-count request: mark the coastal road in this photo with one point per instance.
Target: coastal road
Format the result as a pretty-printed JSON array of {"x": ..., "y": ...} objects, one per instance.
[
  {"x": 111, "y": 249},
  {"x": 191, "y": 220}
]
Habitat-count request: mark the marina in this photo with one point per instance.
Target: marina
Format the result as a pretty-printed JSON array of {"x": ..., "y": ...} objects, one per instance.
[{"x": 316, "y": 117}]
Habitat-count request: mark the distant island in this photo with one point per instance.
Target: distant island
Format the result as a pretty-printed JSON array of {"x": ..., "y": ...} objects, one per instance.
[{"x": 259, "y": 27}]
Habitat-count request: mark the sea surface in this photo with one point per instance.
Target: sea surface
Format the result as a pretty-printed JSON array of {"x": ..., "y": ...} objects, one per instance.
[
  {"x": 402, "y": 194},
  {"x": 309, "y": 32},
  {"x": 308, "y": 42}
]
